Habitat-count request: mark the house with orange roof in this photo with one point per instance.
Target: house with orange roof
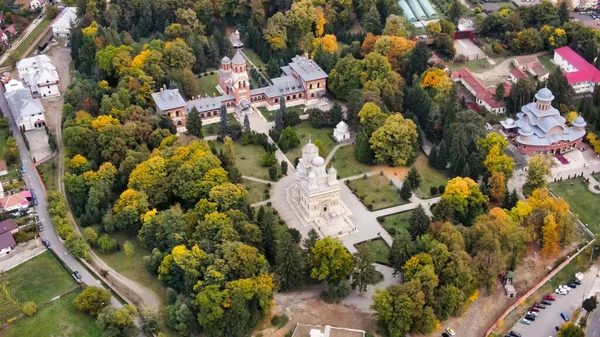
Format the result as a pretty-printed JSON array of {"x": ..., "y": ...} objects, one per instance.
[{"x": 15, "y": 202}]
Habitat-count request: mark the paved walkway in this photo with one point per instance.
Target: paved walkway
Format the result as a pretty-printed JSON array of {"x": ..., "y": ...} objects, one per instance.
[
  {"x": 21, "y": 255},
  {"x": 335, "y": 148},
  {"x": 258, "y": 180}
]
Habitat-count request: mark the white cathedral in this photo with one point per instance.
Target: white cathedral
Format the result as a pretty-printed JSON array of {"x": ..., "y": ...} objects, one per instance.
[{"x": 315, "y": 196}]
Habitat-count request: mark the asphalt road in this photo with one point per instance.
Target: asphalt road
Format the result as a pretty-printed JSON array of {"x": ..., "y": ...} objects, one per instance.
[
  {"x": 548, "y": 318},
  {"x": 34, "y": 182}
]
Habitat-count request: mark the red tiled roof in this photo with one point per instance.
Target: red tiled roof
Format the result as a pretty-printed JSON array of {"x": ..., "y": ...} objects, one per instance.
[
  {"x": 518, "y": 74},
  {"x": 481, "y": 91},
  {"x": 585, "y": 71},
  {"x": 8, "y": 225},
  {"x": 11, "y": 29},
  {"x": 15, "y": 199}
]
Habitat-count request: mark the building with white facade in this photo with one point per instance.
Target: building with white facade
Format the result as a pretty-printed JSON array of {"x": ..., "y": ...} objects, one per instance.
[
  {"x": 484, "y": 96},
  {"x": 27, "y": 111},
  {"x": 341, "y": 132},
  {"x": 65, "y": 21},
  {"x": 581, "y": 75},
  {"x": 40, "y": 75},
  {"x": 315, "y": 196}
]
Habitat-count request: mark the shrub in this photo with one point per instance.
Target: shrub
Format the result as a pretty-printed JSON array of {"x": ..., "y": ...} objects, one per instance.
[
  {"x": 269, "y": 204},
  {"x": 365, "y": 176},
  {"x": 129, "y": 249},
  {"x": 29, "y": 308},
  {"x": 269, "y": 185},
  {"x": 391, "y": 231},
  {"x": 370, "y": 207},
  {"x": 296, "y": 236},
  {"x": 279, "y": 321},
  {"x": 441, "y": 189},
  {"x": 106, "y": 244},
  {"x": 496, "y": 48},
  {"x": 380, "y": 219},
  {"x": 268, "y": 159},
  {"x": 273, "y": 173},
  {"x": 433, "y": 190},
  {"x": 284, "y": 167},
  {"x": 281, "y": 222}
]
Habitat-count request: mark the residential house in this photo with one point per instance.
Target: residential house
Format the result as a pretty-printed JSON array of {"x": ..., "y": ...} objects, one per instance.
[
  {"x": 37, "y": 4},
  {"x": 27, "y": 111},
  {"x": 65, "y": 21},
  {"x": 9, "y": 226},
  {"x": 15, "y": 202},
  {"x": 490, "y": 7},
  {"x": 13, "y": 85},
  {"x": 525, "y": 62},
  {"x": 516, "y": 74},
  {"x": 7, "y": 244},
  {"x": 539, "y": 71},
  {"x": 3, "y": 168},
  {"x": 11, "y": 31},
  {"x": 40, "y": 75},
  {"x": 310, "y": 330},
  {"x": 581, "y": 75},
  {"x": 483, "y": 96}
]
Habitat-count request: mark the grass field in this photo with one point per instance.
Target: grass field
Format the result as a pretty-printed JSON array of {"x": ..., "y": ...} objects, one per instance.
[
  {"x": 397, "y": 221},
  {"x": 134, "y": 267},
  {"x": 346, "y": 164},
  {"x": 596, "y": 176},
  {"x": 547, "y": 63},
  {"x": 248, "y": 159},
  {"x": 474, "y": 66},
  {"x": 29, "y": 40},
  {"x": 255, "y": 58},
  {"x": 13, "y": 170},
  {"x": 39, "y": 280},
  {"x": 376, "y": 191},
  {"x": 270, "y": 115},
  {"x": 48, "y": 174},
  {"x": 305, "y": 131},
  {"x": 213, "y": 129},
  {"x": 8, "y": 308},
  {"x": 207, "y": 85},
  {"x": 581, "y": 201},
  {"x": 429, "y": 177},
  {"x": 379, "y": 250},
  {"x": 61, "y": 319},
  {"x": 256, "y": 190}
]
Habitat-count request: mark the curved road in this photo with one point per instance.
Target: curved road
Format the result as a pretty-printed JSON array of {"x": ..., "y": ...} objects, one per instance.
[{"x": 34, "y": 182}]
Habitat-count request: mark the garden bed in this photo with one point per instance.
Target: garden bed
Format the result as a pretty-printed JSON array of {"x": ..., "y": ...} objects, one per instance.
[
  {"x": 393, "y": 223},
  {"x": 376, "y": 192}
]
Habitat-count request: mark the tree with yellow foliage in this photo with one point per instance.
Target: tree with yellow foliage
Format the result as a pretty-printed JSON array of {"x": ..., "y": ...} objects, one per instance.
[
  {"x": 320, "y": 22},
  {"x": 550, "y": 237},
  {"x": 102, "y": 121},
  {"x": 435, "y": 78},
  {"x": 328, "y": 42},
  {"x": 571, "y": 115},
  {"x": 498, "y": 161},
  {"x": 79, "y": 164},
  {"x": 465, "y": 200},
  {"x": 497, "y": 186},
  {"x": 395, "y": 142}
]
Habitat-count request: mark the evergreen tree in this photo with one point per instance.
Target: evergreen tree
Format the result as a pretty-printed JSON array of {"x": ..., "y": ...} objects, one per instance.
[
  {"x": 483, "y": 188},
  {"x": 448, "y": 110},
  {"x": 443, "y": 210},
  {"x": 403, "y": 248},
  {"x": 596, "y": 94},
  {"x": 433, "y": 157},
  {"x": 363, "y": 272},
  {"x": 267, "y": 227},
  {"x": 418, "y": 59},
  {"x": 246, "y": 124},
  {"x": 414, "y": 178},
  {"x": 223, "y": 121},
  {"x": 260, "y": 214},
  {"x": 419, "y": 102},
  {"x": 514, "y": 198},
  {"x": 273, "y": 68},
  {"x": 563, "y": 12},
  {"x": 499, "y": 93},
  {"x": 405, "y": 190},
  {"x": 506, "y": 204},
  {"x": 193, "y": 123},
  {"x": 419, "y": 222},
  {"x": 289, "y": 257},
  {"x": 311, "y": 238},
  {"x": 279, "y": 124},
  {"x": 562, "y": 91},
  {"x": 458, "y": 152},
  {"x": 371, "y": 21},
  {"x": 362, "y": 149},
  {"x": 323, "y": 59}
]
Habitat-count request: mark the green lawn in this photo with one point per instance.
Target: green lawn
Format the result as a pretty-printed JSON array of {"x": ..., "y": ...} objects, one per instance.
[
  {"x": 429, "y": 177},
  {"x": 255, "y": 58},
  {"x": 48, "y": 173},
  {"x": 379, "y": 250},
  {"x": 397, "y": 221},
  {"x": 256, "y": 190},
  {"x": 346, "y": 163},
  {"x": 474, "y": 66},
  {"x": 13, "y": 170},
  {"x": 39, "y": 280},
  {"x": 270, "y": 115},
  {"x": 213, "y": 129},
  {"x": 305, "y": 132},
  {"x": 547, "y": 63},
  {"x": 207, "y": 85},
  {"x": 134, "y": 267},
  {"x": 581, "y": 201},
  {"x": 376, "y": 191},
  {"x": 9, "y": 309},
  {"x": 597, "y": 177},
  {"x": 248, "y": 159},
  {"x": 61, "y": 319},
  {"x": 29, "y": 40}
]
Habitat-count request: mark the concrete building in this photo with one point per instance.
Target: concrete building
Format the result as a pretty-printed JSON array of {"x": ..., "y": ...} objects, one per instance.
[
  {"x": 310, "y": 330},
  {"x": 40, "y": 75},
  {"x": 516, "y": 75},
  {"x": 581, "y": 75},
  {"x": 302, "y": 82},
  {"x": 315, "y": 196},
  {"x": 525, "y": 62},
  {"x": 235, "y": 39},
  {"x": 483, "y": 96},
  {"x": 27, "y": 111},
  {"x": 65, "y": 21},
  {"x": 540, "y": 129},
  {"x": 341, "y": 132}
]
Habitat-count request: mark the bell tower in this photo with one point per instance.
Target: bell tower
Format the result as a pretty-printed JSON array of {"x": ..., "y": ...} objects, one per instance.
[{"x": 240, "y": 81}]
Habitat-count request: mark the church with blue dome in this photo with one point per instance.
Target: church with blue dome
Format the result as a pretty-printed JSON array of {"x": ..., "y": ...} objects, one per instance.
[{"x": 540, "y": 129}]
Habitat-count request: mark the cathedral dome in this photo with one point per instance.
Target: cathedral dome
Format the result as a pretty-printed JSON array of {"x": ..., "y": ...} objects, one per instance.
[
  {"x": 310, "y": 148},
  {"x": 332, "y": 170},
  {"x": 526, "y": 130},
  {"x": 579, "y": 122},
  {"x": 544, "y": 95},
  {"x": 312, "y": 175},
  {"x": 510, "y": 121},
  {"x": 225, "y": 60},
  {"x": 318, "y": 161},
  {"x": 342, "y": 126}
]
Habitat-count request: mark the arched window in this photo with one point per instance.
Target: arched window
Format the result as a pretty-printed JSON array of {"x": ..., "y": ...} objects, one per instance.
[
  {"x": 300, "y": 95},
  {"x": 276, "y": 100},
  {"x": 294, "y": 96},
  {"x": 179, "y": 123},
  {"x": 312, "y": 95},
  {"x": 201, "y": 115},
  {"x": 318, "y": 84},
  {"x": 311, "y": 86},
  {"x": 287, "y": 98}
]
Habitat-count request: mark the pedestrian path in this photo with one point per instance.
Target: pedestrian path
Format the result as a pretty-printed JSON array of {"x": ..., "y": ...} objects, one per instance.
[{"x": 258, "y": 180}]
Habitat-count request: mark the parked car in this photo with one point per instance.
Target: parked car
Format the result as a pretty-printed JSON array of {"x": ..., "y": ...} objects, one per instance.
[
  {"x": 572, "y": 285},
  {"x": 40, "y": 227},
  {"x": 539, "y": 306},
  {"x": 561, "y": 291},
  {"x": 514, "y": 334},
  {"x": 526, "y": 322},
  {"x": 565, "y": 316},
  {"x": 576, "y": 281},
  {"x": 46, "y": 242},
  {"x": 546, "y": 302},
  {"x": 530, "y": 317},
  {"x": 533, "y": 313},
  {"x": 77, "y": 275},
  {"x": 451, "y": 331},
  {"x": 23, "y": 169},
  {"x": 533, "y": 309},
  {"x": 550, "y": 298}
]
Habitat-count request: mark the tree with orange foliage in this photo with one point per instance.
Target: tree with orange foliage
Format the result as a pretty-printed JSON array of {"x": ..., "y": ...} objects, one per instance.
[
  {"x": 328, "y": 42},
  {"x": 550, "y": 236},
  {"x": 497, "y": 186}
]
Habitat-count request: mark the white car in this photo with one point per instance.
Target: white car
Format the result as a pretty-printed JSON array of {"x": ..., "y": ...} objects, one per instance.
[
  {"x": 532, "y": 313},
  {"x": 561, "y": 291},
  {"x": 451, "y": 331}
]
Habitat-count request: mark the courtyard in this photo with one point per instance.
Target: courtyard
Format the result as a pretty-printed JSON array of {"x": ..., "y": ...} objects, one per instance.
[
  {"x": 376, "y": 192},
  {"x": 582, "y": 201}
]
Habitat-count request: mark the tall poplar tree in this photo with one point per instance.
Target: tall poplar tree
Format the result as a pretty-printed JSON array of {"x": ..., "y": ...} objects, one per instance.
[{"x": 289, "y": 260}]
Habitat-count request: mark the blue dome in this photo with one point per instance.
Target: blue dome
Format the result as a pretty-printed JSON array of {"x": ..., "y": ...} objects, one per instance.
[
  {"x": 544, "y": 95},
  {"x": 579, "y": 122}
]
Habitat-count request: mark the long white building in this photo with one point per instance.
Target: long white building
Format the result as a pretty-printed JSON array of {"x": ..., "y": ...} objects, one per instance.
[{"x": 40, "y": 75}]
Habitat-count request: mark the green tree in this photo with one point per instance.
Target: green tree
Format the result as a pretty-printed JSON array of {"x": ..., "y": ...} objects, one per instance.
[
  {"x": 311, "y": 239},
  {"x": 91, "y": 300},
  {"x": 395, "y": 142},
  {"x": 528, "y": 41},
  {"x": 117, "y": 322},
  {"x": 273, "y": 68},
  {"x": 414, "y": 178},
  {"x": 455, "y": 10},
  {"x": 419, "y": 222},
  {"x": 394, "y": 310},
  {"x": 499, "y": 93},
  {"x": 371, "y": 21},
  {"x": 418, "y": 59},
  {"x": 362, "y": 148},
  {"x": 246, "y": 124},
  {"x": 289, "y": 258},
  {"x": 571, "y": 330},
  {"x": 150, "y": 319},
  {"x": 330, "y": 260},
  {"x": 363, "y": 272},
  {"x": 590, "y": 304},
  {"x": 288, "y": 139},
  {"x": 406, "y": 190},
  {"x": 269, "y": 243},
  {"x": 562, "y": 91},
  {"x": 394, "y": 25},
  {"x": 279, "y": 124},
  {"x": 371, "y": 117},
  {"x": 403, "y": 248},
  {"x": 29, "y": 308},
  {"x": 563, "y": 12},
  {"x": 193, "y": 123},
  {"x": 223, "y": 122},
  {"x": 537, "y": 172}
]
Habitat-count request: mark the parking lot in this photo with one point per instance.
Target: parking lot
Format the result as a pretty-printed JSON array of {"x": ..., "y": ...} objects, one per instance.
[{"x": 549, "y": 318}]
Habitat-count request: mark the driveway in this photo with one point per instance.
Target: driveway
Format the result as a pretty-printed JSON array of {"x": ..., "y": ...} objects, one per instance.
[{"x": 550, "y": 317}]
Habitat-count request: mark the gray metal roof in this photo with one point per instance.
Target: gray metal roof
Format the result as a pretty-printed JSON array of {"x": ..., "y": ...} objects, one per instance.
[
  {"x": 23, "y": 105},
  {"x": 204, "y": 104},
  {"x": 8, "y": 225},
  {"x": 7, "y": 240},
  {"x": 168, "y": 99},
  {"x": 238, "y": 58},
  {"x": 283, "y": 85},
  {"x": 307, "y": 69},
  {"x": 537, "y": 130},
  {"x": 286, "y": 70}
]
